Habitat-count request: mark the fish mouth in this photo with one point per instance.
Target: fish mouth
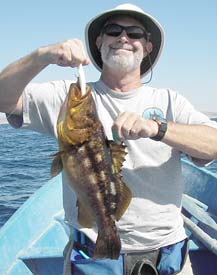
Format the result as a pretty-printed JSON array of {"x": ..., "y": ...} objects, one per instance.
[{"x": 77, "y": 98}]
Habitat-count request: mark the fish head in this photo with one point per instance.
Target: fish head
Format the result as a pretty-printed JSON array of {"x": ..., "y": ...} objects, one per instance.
[
  {"x": 77, "y": 119},
  {"x": 79, "y": 105}
]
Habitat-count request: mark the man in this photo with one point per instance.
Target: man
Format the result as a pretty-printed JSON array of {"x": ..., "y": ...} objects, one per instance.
[{"x": 156, "y": 125}]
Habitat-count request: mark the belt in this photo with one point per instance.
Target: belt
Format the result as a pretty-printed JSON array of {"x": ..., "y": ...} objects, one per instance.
[{"x": 139, "y": 263}]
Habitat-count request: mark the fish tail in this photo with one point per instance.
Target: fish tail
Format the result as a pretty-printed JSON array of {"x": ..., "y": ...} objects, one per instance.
[{"x": 108, "y": 244}]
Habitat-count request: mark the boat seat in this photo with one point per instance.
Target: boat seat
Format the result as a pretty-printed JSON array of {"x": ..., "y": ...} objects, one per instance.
[
  {"x": 45, "y": 253},
  {"x": 44, "y": 260},
  {"x": 201, "y": 228}
]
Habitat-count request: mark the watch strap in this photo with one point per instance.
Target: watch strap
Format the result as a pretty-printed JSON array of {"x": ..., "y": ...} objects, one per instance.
[{"x": 162, "y": 128}]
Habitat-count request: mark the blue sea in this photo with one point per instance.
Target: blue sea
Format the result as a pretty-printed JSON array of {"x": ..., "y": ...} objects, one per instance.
[{"x": 25, "y": 166}]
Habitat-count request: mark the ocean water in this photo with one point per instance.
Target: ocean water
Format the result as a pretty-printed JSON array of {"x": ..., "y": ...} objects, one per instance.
[{"x": 25, "y": 166}]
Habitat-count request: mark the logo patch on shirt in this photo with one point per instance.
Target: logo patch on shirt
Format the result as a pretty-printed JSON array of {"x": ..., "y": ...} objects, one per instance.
[{"x": 152, "y": 112}]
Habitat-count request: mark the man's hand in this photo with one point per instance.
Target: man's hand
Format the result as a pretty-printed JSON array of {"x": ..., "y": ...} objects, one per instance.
[
  {"x": 132, "y": 126},
  {"x": 69, "y": 53},
  {"x": 15, "y": 77}
]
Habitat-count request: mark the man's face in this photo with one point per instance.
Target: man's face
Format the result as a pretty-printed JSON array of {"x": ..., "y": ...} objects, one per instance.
[{"x": 122, "y": 52}]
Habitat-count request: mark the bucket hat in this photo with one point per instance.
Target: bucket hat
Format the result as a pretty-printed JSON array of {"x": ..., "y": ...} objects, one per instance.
[{"x": 94, "y": 27}]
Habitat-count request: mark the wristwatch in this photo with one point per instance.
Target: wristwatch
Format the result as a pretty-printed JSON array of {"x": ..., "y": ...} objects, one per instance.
[{"x": 162, "y": 127}]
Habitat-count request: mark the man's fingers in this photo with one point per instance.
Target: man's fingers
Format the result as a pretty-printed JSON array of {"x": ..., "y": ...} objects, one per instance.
[
  {"x": 123, "y": 125},
  {"x": 86, "y": 61},
  {"x": 133, "y": 126},
  {"x": 69, "y": 53}
]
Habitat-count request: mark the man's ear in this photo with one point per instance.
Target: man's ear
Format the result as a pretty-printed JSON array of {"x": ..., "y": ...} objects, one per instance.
[
  {"x": 99, "y": 42},
  {"x": 148, "y": 48}
]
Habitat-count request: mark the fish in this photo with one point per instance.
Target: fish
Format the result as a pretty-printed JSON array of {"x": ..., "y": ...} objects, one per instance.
[{"x": 93, "y": 165}]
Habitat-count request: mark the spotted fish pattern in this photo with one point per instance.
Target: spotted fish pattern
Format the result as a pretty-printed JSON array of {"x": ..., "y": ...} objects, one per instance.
[{"x": 93, "y": 166}]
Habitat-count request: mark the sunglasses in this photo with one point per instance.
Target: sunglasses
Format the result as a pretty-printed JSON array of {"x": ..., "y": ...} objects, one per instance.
[{"x": 133, "y": 32}]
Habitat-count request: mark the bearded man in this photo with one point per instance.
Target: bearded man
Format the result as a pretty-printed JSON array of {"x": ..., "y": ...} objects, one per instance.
[{"x": 156, "y": 125}]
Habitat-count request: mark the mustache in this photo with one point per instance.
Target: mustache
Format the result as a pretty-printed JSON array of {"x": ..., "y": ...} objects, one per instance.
[{"x": 122, "y": 46}]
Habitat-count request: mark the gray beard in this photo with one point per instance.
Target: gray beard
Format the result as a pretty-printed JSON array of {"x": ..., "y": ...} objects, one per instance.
[{"x": 121, "y": 62}]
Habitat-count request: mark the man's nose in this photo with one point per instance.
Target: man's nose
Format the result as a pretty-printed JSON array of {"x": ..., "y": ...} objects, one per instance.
[{"x": 123, "y": 36}]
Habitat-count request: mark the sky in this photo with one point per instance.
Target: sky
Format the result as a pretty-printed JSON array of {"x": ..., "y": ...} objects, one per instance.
[{"x": 188, "y": 63}]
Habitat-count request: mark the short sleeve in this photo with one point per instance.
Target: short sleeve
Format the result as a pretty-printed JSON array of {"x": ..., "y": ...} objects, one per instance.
[
  {"x": 41, "y": 105},
  {"x": 185, "y": 112}
]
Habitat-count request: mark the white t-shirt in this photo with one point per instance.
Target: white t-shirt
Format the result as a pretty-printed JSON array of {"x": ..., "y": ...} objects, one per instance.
[{"x": 152, "y": 169}]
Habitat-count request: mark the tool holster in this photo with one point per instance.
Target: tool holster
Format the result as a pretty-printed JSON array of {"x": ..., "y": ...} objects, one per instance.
[{"x": 141, "y": 263}]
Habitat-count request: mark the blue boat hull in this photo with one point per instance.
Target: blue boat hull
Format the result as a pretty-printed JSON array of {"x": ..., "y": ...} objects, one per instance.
[
  {"x": 35, "y": 235},
  {"x": 202, "y": 185},
  {"x": 33, "y": 239}
]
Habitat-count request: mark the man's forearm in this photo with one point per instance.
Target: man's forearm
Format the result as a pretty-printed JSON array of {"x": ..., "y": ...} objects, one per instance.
[
  {"x": 198, "y": 141},
  {"x": 15, "y": 77}
]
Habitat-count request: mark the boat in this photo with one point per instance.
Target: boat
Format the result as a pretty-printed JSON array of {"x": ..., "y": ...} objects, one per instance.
[{"x": 33, "y": 239}]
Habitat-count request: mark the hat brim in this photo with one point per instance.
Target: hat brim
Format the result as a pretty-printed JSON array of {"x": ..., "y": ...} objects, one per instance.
[{"x": 94, "y": 28}]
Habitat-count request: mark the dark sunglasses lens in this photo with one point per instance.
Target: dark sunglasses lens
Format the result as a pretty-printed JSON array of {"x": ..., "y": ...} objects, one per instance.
[
  {"x": 112, "y": 30},
  {"x": 135, "y": 32}
]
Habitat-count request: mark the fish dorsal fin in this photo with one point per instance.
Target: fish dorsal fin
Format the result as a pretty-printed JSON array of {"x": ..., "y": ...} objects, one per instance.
[
  {"x": 57, "y": 165},
  {"x": 85, "y": 216},
  {"x": 118, "y": 152}
]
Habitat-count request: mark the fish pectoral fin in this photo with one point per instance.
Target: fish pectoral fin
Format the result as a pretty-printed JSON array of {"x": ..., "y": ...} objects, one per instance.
[
  {"x": 118, "y": 153},
  {"x": 124, "y": 200},
  {"x": 85, "y": 216},
  {"x": 57, "y": 165}
]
